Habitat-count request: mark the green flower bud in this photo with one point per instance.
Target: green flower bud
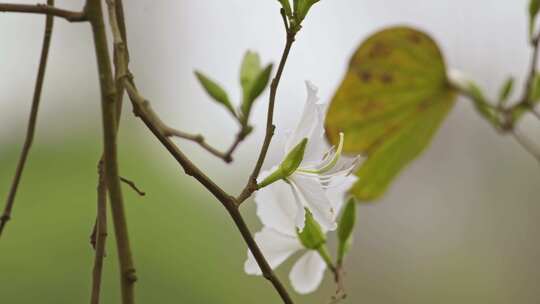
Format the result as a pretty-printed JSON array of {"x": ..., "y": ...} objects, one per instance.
[
  {"x": 346, "y": 228},
  {"x": 289, "y": 165},
  {"x": 312, "y": 236}
]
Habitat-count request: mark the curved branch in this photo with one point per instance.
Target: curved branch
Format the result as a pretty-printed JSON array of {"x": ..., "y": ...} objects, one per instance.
[{"x": 6, "y": 216}]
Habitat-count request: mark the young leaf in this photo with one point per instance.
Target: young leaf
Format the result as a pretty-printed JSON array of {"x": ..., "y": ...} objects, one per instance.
[
  {"x": 391, "y": 102},
  {"x": 215, "y": 91},
  {"x": 301, "y": 8},
  {"x": 251, "y": 67},
  {"x": 506, "y": 90},
  {"x": 312, "y": 236},
  {"x": 286, "y": 7},
  {"x": 346, "y": 228},
  {"x": 253, "y": 79},
  {"x": 257, "y": 87}
]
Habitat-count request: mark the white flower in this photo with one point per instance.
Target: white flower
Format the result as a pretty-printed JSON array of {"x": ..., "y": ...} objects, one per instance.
[
  {"x": 321, "y": 168},
  {"x": 278, "y": 239}
]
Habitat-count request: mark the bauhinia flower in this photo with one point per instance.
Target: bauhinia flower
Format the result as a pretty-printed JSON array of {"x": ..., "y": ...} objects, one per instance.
[
  {"x": 310, "y": 167},
  {"x": 280, "y": 238}
]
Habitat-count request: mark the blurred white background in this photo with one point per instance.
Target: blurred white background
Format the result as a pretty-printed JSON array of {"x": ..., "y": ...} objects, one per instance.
[{"x": 466, "y": 212}]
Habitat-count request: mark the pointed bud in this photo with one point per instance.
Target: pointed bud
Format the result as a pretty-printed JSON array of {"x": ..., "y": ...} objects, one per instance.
[
  {"x": 312, "y": 236},
  {"x": 294, "y": 158},
  {"x": 289, "y": 165},
  {"x": 506, "y": 91},
  {"x": 346, "y": 228}
]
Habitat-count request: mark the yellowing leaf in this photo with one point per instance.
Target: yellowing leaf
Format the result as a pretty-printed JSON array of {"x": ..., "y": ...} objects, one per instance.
[{"x": 389, "y": 105}]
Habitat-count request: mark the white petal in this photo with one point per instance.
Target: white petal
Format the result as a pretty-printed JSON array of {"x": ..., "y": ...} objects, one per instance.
[
  {"x": 307, "y": 273},
  {"x": 277, "y": 207},
  {"x": 310, "y": 125},
  {"x": 300, "y": 219},
  {"x": 276, "y": 248},
  {"x": 338, "y": 194},
  {"x": 315, "y": 199}
]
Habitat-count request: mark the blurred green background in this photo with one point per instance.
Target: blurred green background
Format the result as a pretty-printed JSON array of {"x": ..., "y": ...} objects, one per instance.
[{"x": 459, "y": 226}]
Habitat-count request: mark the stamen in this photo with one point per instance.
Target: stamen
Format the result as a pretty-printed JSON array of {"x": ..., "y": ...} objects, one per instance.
[{"x": 332, "y": 163}]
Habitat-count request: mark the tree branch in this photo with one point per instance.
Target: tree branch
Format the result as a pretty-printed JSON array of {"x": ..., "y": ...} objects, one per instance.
[
  {"x": 99, "y": 235},
  {"x": 48, "y": 10},
  {"x": 109, "y": 113},
  {"x": 251, "y": 185},
  {"x": 49, "y": 22},
  {"x": 526, "y": 144}
]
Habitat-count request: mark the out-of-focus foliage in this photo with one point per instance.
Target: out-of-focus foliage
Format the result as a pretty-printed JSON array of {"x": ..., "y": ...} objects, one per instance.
[
  {"x": 392, "y": 100},
  {"x": 253, "y": 79},
  {"x": 215, "y": 91}
]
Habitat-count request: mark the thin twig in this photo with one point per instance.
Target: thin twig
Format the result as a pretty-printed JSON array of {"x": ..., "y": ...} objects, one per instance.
[
  {"x": 200, "y": 140},
  {"x": 49, "y": 22},
  {"x": 340, "y": 294},
  {"x": 48, "y": 10},
  {"x": 99, "y": 235},
  {"x": 251, "y": 185},
  {"x": 526, "y": 144},
  {"x": 114, "y": 189},
  {"x": 133, "y": 186}
]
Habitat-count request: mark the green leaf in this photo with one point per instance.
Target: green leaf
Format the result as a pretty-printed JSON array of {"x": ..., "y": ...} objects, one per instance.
[
  {"x": 215, "y": 91},
  {"x": 390, "y": 104},
  {"x": 346, "y": 228},
  {"x": 260, "y": 83},
  {"x": 286, "y": 7},
  {"x": 506, "y": 90},
  {"x": 253, "y": 79},
  {"x": 534, "y": 8},
  {"x": 312, "y": 236},
  {"x": 250, "y": 69},
  {"x": 302, "y": 7},
  {"x": 255, "y": 89}
]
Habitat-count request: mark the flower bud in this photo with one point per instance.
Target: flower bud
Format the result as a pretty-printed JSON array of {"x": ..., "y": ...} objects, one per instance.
[
  {"x": 289, "y": 165},
  {"x": 312, "y": 236}
]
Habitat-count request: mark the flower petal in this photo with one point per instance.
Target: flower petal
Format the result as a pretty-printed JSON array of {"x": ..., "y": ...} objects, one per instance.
[
  {"x": 276, "y": 248},
  {"x": 276, "y": 207},
  {"x": 311, "y": 126},
  {"x": 307, "y": 273},
  {"x": 315, "y": 199},
  {"x": 338, "y": 194},
  {"x": 300, "y": 218}
]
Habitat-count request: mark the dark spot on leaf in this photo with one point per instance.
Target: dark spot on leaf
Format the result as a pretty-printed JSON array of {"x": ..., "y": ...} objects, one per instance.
[
  {"x": 424, "y": 105},
  {"x": 365, "y": 76},
  {"x": 415, "y": 38},
  {"x": 379, "y": 50},
  {"x": 371, "y": 106},
  {"x": 387, "y": 78}
]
